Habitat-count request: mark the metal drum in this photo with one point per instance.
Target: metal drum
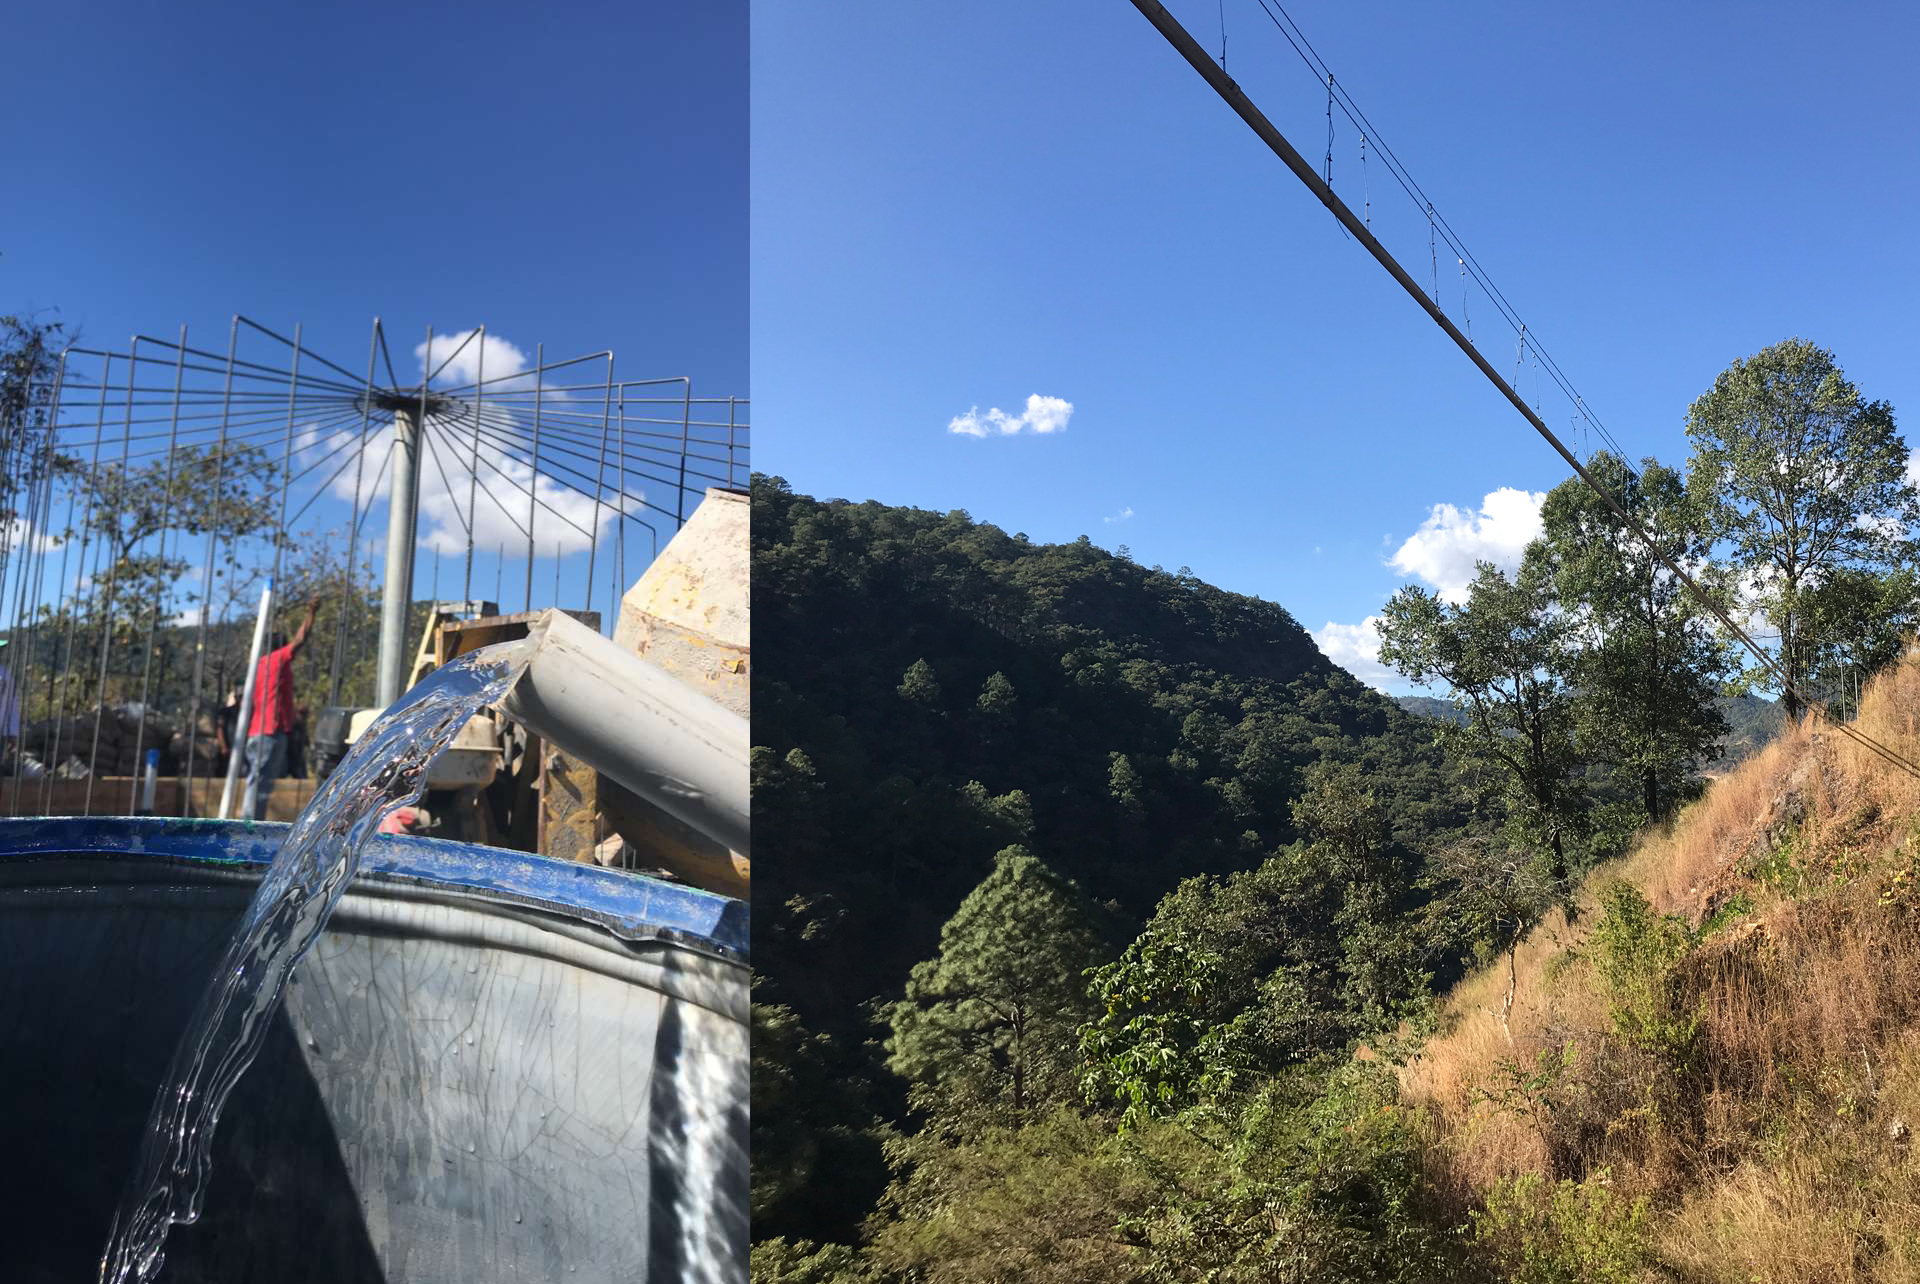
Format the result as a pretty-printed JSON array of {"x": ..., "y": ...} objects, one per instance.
[{"x": 491, "y": 1066}]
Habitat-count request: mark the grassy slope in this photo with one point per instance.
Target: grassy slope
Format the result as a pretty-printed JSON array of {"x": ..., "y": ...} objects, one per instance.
[{"x": 1777, "y": 1147}]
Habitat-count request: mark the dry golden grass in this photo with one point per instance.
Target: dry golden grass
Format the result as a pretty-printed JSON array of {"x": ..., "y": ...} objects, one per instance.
[{"x": 1782, "y": 1151}]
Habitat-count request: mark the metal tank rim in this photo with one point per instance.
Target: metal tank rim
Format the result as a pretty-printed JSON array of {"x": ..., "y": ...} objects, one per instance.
[{"x": 633, "y": 907}]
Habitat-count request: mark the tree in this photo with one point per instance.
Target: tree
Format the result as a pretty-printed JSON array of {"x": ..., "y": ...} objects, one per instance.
[
  {"x": 1344, "y": 830},
  {"x": 1862, "y": 619},
  {"x": 134, "y": 525},
  {"x": 1503, "y": 656},
  {"x": 29, "y": 359},
  {"x": 1646, "y": 670},
  {"x": 811, "y": 1118},
  {"x": 1494, "y": 895},
  {"x": 1804, "y": 478},
  {"x": 919, "y": 685},
  {"x": 986, "y": 1032},
  {"x": 998, "y": 699}
]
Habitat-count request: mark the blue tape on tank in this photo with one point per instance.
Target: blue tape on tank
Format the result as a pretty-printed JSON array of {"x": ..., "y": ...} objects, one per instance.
[{"x": 630, "y": 905}]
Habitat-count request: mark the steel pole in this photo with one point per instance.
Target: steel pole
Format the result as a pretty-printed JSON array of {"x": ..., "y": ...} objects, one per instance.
[{"x": 403, "y": 501}]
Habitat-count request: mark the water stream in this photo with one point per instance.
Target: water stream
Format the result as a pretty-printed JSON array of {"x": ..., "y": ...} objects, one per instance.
[{"x": 386, "y": 770}]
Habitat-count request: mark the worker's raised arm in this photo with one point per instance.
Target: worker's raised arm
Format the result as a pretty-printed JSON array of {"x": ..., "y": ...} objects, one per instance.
[{"x": 306, "y": 626}]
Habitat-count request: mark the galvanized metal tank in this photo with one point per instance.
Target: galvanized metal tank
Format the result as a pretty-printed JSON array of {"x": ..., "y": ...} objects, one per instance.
[{"x": 490, "y": 1067}]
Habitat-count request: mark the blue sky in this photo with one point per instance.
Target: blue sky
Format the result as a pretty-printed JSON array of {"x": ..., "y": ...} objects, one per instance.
[
  {"x": 961, "y": 207},
  {"x": 576, "y": 179}
]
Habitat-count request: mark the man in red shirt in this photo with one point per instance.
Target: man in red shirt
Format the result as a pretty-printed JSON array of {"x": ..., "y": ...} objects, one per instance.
[{"x": 273, "y": 715}]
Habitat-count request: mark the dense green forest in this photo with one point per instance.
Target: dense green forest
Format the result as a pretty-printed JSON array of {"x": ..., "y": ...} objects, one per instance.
[
  {"x": 1099, "y": 916},
  {"x": 945, "y": 690}
]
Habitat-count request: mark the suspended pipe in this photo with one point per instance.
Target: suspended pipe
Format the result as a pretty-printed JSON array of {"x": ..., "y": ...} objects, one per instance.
[{"x": 638, "y": 725}]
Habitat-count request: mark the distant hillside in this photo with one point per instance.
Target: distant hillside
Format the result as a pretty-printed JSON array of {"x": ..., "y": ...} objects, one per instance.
[
  {"x": 1752, "y": 721},
  {"x": 1430, "y": 707}
]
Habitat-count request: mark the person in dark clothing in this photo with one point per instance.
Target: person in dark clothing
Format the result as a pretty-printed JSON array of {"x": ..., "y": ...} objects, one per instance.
[
  {"x": 229, "y": 720},
  {"x": 297, "y": 745}
]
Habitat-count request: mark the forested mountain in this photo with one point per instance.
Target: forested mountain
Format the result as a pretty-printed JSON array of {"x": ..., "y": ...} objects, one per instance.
[
  {"x": 942, "y": 689},
  {"x": 939, "y": 690}
]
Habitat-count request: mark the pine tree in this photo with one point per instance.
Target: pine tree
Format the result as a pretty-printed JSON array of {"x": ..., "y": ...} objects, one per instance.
[
  {"x": 919, "y": 685},
  {"x": 998, "y": 699},
  {"x": 986, "y": 1032}
]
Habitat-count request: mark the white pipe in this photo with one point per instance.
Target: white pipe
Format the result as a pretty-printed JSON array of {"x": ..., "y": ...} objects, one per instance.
[
  {"x": 239, "y": 746},
  {"x": 150, "y": 782},
  {"x": 637, "y": 724}
]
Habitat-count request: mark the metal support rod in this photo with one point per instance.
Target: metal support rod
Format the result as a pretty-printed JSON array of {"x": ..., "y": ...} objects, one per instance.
[
  {"x": 207, "y": 573},
  {"x": 620, "y": 526},
  {"x": 22, "y": 683},
  {"x": 403, "y": 499},
  {"x": 686, "y": 417},
  {"x": 112, "y": 549},
  {"x": 153, "y": 620},
  {"x": 64, "y": 666},
  {"x": 473, "y": 476},
  {"x": 599, "y": 482},
  {"x": 286, "y": 461},
  {"x": 348, "y": 599},
  {"x": 533, "y": 479}
]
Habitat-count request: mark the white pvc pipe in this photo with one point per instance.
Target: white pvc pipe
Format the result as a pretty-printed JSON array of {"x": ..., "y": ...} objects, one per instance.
[
  {"x": 639, "y": 725},
  {"x": 238, "y": 749}
]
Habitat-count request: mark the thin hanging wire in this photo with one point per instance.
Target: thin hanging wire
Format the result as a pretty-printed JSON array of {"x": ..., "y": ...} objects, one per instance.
[
  {"x": 1366, "y": 199},
  {"x": 1328, "y": 167}
]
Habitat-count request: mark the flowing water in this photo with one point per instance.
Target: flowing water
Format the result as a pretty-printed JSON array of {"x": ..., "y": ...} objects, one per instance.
[{"x": 385, "y": 771}]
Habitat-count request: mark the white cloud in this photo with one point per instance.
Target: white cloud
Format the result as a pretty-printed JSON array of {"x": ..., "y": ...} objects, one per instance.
[
  {"x": 562, "y": 518},
  {"x": 1120, "y": 516},
  {"x": 467, "y": 360},
  {"x": 1448, "y": 545},
  {"x": 1042, "y": 415},
  {"x": 17, "y": 533},
  {"x": 1356, "y": 648}
]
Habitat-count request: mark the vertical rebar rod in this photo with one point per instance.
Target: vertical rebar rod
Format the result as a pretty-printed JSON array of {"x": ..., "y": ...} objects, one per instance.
[
  {"x": 64, "y": 669},
  {"x": 686, "y": 417},
  {"x": 153, "y": 623},
  {"x": 206, "y": 574},
  {"x": 533, "y": 480},
  {"x": 556, "y": 573},
  {"x": 620, "y": 523},
  {"x": 286, "y": 466},
  {"x": 35, "y": 516},
  {"x": 23, "y": 682},
  {"x": 599, "y": 484},
  {"x": 347, "y": 599},
  {"x": 473, "y": 474},
  {"x": 11, "y": 451},
  {"x": 499, "y": 569},
  {"x": 113, "y": 573}
]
